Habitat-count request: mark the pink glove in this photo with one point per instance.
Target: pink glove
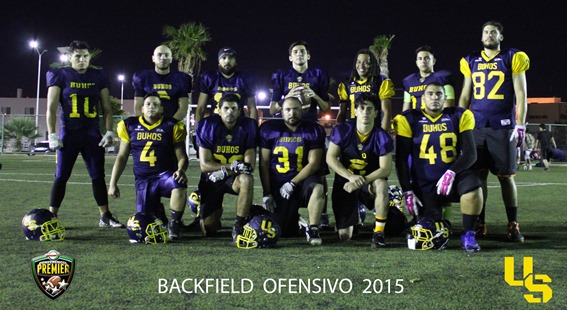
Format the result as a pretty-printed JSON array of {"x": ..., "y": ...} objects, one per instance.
[
  {"x": 445, "y": 183},
  {"x": 411, "y": 203},
  {"x": 519, "y": 133}
]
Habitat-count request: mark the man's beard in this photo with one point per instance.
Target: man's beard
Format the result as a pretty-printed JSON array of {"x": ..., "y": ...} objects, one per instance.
[
  {"x": 491, "y": 46},
  {"x": 227, "y": 71}
]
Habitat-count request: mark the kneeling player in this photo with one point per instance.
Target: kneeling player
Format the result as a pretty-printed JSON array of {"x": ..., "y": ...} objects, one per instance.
[
  {"x": 360, "y": 153},
  {"x": 157, "y": 144},
  {"x": 442, "y": 148},
  {"x": 291, "y": 152},
  {"x": 227, "y": 156}
]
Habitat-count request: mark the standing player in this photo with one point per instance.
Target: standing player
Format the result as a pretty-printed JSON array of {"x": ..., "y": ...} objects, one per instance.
[
  {"x": 545, "y": 142},
  {"x": 227, "y": 156},
  {"x": 360, "y": 153},
  {"x": 157, "y": 144},
  {"x": 173, "y": 87},
  {"x": 415, "y": 83},
  {"x": 494, "y": 88},
  {"x": 291, "y": 153},
  {"x": 78, "y": 90},
  {"x": 365, "y": 78},
  {"x": 226, "y": 80},
  {"x": 310, "y": 85},
  {"x": 441, "y": 143}
]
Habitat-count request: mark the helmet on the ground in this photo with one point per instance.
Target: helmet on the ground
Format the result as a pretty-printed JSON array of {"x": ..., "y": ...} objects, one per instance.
[
  {"x": 42, "y": 225},
  {"x": 147, "y": 229},
  {"x": 428, "y": 234},
  {"x": 260, "y": 232}
]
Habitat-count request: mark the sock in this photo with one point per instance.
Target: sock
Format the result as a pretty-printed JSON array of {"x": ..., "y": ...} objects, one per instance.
[
  {"x": 176, "y": 215},
  {"x": 240, "y": 220},
  {"x": 481, "y": 216},
  {"x": 512, "y": 214},
  {"x": 380, "y": 224},
  {"x": 469, "y": 221}
]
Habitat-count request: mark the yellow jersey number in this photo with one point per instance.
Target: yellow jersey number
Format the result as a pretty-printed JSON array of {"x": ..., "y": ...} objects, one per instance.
[
  {"x": 480, "y": 78},
  {"x": 75, "y": 108},
  {"x": 357, "y": 166},
  {"x": 283, "y": 158},
  {"x": 448, "y": 151}
]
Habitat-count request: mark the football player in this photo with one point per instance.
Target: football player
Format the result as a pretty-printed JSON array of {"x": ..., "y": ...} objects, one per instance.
[
  {"x": 157, "y": 144},
  {"x": 310, "y": 85},
  {"x": 441, "y": 143},
  {"x": 414, "y": 84},
  {"x": 361, "y": 156},
  {"x": 227, "y": 79},
  {"x": 172, "y": 86},
  {"x": 78, "y": 90},
  {"x": 291, "y": 153},
  {"x": 227, "y": 156},
  {"x": 365, "y": 78},
  {"x": 498, "y": 78}
]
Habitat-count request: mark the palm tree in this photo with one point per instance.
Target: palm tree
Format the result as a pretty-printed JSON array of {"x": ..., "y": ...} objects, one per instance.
[
  {"x": 380, "y": 48},
  {"x": 186, "y": 44},
  {"x": 19, "y": 128}
]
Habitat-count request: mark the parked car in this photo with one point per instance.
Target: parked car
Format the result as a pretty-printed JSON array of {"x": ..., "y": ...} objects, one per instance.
[{"x": 40, "y": 147}]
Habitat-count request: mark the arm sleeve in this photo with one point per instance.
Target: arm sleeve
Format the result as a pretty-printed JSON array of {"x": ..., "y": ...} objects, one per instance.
[
  {"x": 468, "y": 152},
  {"x": 403, "y": 150}
]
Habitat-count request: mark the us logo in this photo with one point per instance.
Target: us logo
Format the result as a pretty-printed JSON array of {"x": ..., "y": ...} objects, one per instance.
[{"x": 53, "y": 273}]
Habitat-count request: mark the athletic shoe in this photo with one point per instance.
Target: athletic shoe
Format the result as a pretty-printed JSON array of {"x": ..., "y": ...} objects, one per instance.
[
  {"x": 514, "y": 232},
  {"x": 481, "y": 229},
  {"x": 325, "y": 225},
  {"x": 378, "y": 240},
  {"x": 313, "y": 236},
  {"x": 174, "y": 229},
  {"x": 108, "y": 220},
  {"x": 468, "y": 242},
  {"x": 236, "y": 230}
]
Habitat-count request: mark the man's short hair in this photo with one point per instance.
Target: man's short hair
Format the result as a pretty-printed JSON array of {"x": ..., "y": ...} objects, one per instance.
[
  {"x": 425, "y": 48},
  {"x": 152, "y": 94},
  {"x": 371, "y": 97},
  {"x": 496, "y": 24},
  {"x": 78, "y": 45},
  {"x": 436, "y": 84},
  {"x": 296, "y": 43},
  {"x": 229, "y": 98},
  {"x": 542, "y": 126}
]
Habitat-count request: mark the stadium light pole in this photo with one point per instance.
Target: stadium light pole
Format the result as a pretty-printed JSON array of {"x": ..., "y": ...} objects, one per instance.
[
  {"x": 35, "y": 45},
  {"x": 121, "y": 79}
]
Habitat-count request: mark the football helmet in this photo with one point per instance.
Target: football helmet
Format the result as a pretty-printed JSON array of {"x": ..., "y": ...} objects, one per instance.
[
  {"x": 260, "y": 232},
  {"x": 42, "y": 225},
  {"x": 396, "y": 196},
  {"x": 194, "y": 201},
  {"x": 428, "y": 234},
  {"x": 147, "y": 229}
]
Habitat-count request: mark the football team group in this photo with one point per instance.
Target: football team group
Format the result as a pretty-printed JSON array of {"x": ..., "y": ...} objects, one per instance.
[{"x": 444, "y": 149}]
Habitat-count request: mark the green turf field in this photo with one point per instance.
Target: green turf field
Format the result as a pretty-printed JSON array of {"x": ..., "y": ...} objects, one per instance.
[{"x": 114, "y": 274}]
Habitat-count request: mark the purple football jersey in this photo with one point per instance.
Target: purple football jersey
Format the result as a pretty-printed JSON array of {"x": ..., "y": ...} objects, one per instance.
[
  {"x": 214, "y": 84},
  {"x": 361, "y": 158},
  {"x": 80, "y": 97},
  {"x": 316, "y": 79},
  {"x": 290, "y": 149},
  {"x": 170, "y": 88}
]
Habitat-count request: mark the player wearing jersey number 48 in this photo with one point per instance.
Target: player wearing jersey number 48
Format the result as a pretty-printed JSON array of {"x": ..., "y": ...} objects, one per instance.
[
  {"x": 494, "y": 89},
  {"x": 441, "y": 144},
  {"x": 77, "y": 90}
]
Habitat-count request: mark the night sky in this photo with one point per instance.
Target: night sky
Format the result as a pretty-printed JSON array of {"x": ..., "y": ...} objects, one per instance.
[{"x": 261, "y": 31}]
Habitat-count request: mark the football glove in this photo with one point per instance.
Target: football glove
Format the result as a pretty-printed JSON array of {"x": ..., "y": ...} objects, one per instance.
[
  {"x": 519, "y": 133},
  {"x": 240, "y": 167},
  {"x": 54, "y": 142},
  {"x": 412, "y": 203},
  {"x": 107, "y": 139},
  {"x": 269, "y": 203},
  {"x": 445, "y": 183},
  {"x": 287, "y": 189},
  {"x": 218, "y": 175}
]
